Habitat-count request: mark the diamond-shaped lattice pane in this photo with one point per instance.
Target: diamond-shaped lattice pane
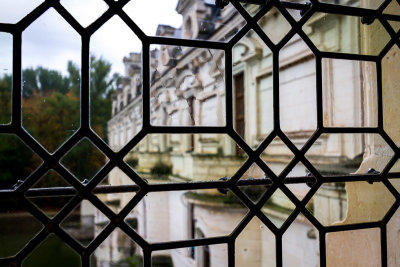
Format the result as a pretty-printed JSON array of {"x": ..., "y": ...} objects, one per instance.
[
  {"x": 50, "y": 205},
  {"x": 277, "y": 155},
  {"x": 18, "y": 227},
  {"x": 210, "y": 21},
  {"x": 278, "y": 208},
  {"x": 52, "y": 251},
  {"x": 268, "y": 22},
  {"x": 252, "y": 9},
  {"x": 79, "y": 10},
  {"x": 393, "y": 9},
  {"x": 395, "y": 25},
  {"x": 163, "y": 158},
  {"x": 12, "y": 12},
  {"x": 84, "y": 223},
  {"x": 330, "y": 203},
  {"x": 255, "y": 234},
  {"x": 17, "y": 161},
  {"x": 84, "y": 160},
  {"x": 116, "y": 83},
  {"x": 51, "y": 99},
  {"x": 300, "y": 190},
  {"x": 328, "y": 34},
  {"x": 117, "y": 201},
  {"x": 125, "y": 251},
  {"x": 395, "y": 175},
  {"x": 253, "y": 174}
]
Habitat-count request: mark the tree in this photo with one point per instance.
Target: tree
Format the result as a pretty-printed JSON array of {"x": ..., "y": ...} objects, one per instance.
[
  {"x": 102, "y": 85},
  {"x": 44, "y": 81},
  {"x": 5, "y": 99},
  {"x": 51, "y": 113}
]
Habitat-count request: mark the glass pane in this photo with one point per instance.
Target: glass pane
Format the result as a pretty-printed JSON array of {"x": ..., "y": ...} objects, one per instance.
[
  {"x": 185, "y": 215},
  {"x": 117, "y": 250},
  {"x": 268, "y": 24},
  {"x": 12, "y": 11},
  {"x": 346, "y": 34},
  {"x": 17, "y": 228},
  {"x": 252, "y": 9},
  {"x": 6, "y": 58},
  {"x": 187, "y": 20},
  {"x": 297, "y": 91},
  {"x": 300, "y": 190},
  {"x": 255, "y": 245},
  {"x": 117, "y": 201},
  {"x": 341, "y": 154},
  {"x": 53, "y": 251},
  {"x": 353, "y": 248},
  {"x": 394, "y": 9},
  {"x": 187, "y": 86},
  {"x": 300, "y": 244},
  {"x": 253, "y": 190},
  {"x": 17, "y": 161},
  {"x": 115, "y": 83},
  {"x": 349, "y": 90},
  {"x": 84, "y": 223},
  {"x": 391, "y": 93},
  {"x": 374, "y": 4},
  {"x": 330, "y": 203},
  {"x": 277, "y": 155},
  {"x": 212, "y": 255},
  {"x": 79, "y": 10},
  {"x": 252, "y": 85},
  {"x": 278, "y": 208},
  {"x": 84, "y": 160},
  {"x": 163, "y": 158},
  {"x": 393, "y": 239},
  {"x": 50, "y": 104},
  {"x": 50, "y": 205}
]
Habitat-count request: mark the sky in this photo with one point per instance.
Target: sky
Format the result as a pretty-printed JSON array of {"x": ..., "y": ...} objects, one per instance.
[{"x": 50, "y": 42}]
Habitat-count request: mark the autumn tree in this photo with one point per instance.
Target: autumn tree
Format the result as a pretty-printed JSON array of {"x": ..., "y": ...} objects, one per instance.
[{"x": 51, "y": 113}]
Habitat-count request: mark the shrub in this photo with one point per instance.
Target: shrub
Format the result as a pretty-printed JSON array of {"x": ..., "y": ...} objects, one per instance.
[
  {"x": 132, "y": 162},
  {"x": 160, "y": 168}
]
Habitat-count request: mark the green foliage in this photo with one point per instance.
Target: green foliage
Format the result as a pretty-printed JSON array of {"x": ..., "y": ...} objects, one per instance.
[
  {"x": 102, "y": 86},
  {"x": 161, "y": 169},
  {"x": 132, "y": 162},
  {"x": 44, "y": 81},
  {"x": 84, "y": 160},
  {"x": 51, "y": 114},
  {"x": 230, "y": 198},
  {"x": 5, "y": 99},
  {"x": 135, "y": 261},
  {"x": 162, "y": 261},
  {"x": 17, "y": 161},
  {"x": 52, "y": 252}
]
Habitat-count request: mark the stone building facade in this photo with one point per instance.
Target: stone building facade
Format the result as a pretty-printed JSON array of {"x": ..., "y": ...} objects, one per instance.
[{"x": 188, "y": 88}]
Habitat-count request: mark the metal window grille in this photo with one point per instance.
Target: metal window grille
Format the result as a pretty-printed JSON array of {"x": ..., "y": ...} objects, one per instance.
[{"x": 87, "y": 190}]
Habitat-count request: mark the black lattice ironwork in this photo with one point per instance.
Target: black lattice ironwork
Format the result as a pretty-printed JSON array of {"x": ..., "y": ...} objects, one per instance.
[{"x": 87, "y": 190}]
